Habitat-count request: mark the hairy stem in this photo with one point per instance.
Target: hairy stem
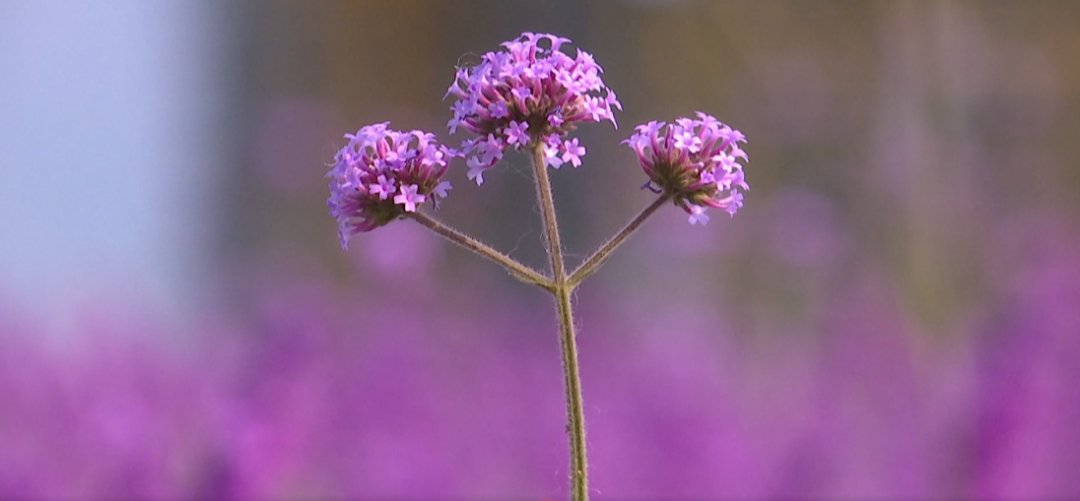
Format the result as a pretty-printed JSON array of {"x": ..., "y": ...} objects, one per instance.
[
  {"x": 579, "y": 483},
  {"x": 518, "y": 270},
  {"x": 575, "y": 409},
  {"x": 602, "y": 254},
  {"x": 547, "y": 211}
]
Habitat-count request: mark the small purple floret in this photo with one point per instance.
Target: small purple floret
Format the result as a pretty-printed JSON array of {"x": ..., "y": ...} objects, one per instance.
[
  {"x": 572, "y": 152},
  {"x": 695, "y": 162},
  {"x": 382, "y": 187},
  {"x": 381, "y": 174},
  {"x": 408, "y": 198},
  {"x": 698, "y": 215},
  {"x": 528, "y": 91},
  {"x": 515, "y": 133}
]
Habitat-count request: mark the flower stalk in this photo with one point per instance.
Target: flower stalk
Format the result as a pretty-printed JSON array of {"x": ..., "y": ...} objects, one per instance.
[
  {"x": 561, "y": 285},
  {"x": 515, "y": 268},
  {"x": 602, "y": 254},
  {"x": 575, "y": 412}
]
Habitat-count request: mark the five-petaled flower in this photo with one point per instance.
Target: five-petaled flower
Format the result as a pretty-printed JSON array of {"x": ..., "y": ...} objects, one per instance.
[
  {"x": 572, "y": 152},
  {"x": 530, "y": 91},
  {"x": 408, "y": 198},
  {"x": 381, "y": 174},
  {"x": 695, "y": 162},
  {"x": 515, "y": 133}
]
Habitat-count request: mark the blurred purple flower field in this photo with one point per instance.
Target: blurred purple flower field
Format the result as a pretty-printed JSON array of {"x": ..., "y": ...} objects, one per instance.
[{"x": 849, "y": 401}]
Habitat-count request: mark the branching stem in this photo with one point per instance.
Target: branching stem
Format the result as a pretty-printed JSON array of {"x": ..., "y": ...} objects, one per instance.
[
  {"x": 561, "y": 285},
  {"x": 602, "y": 254},
  {"x": 518, "y": 270}
]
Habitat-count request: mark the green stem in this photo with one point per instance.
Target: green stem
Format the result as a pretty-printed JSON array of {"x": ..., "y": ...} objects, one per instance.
[
  {"x": 575, "y": 408},
  {"x": 547, "y": 211},
  {"x": 579, "y": 483},
  {"x": 602, "y": 254},
  {"x": 518, "y": 270}
]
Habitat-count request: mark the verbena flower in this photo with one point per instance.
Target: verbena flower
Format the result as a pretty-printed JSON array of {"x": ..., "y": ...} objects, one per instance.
[
  {"x": 695, "y": 162},
  {"x": 382, "y": 174},
  {"x": 530, "y": 90}
]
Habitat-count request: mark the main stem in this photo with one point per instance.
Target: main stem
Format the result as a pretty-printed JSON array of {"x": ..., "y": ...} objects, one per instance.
[{"x": 562, "y": 288}]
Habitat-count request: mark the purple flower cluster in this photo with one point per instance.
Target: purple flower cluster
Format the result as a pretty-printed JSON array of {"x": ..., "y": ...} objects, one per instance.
[
  {"x": 382, "y": 174},
  {"x": 529, "y": 91},
  {"x": 695, "y": 162},
  {"x": 529, "y": 94}
]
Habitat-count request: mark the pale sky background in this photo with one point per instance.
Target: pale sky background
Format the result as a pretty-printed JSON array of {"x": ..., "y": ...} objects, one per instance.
[{"x": 107, "y": 146}]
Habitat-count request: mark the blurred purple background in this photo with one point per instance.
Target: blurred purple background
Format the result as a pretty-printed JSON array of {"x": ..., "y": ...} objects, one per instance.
[{"x": 893, "y": 313}]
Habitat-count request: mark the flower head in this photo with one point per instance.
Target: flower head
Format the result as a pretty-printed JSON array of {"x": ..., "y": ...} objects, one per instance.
[
  {"x": 695, "y": 162},
  {"x": 381, "y": 174},
  {"x": 529, "y": 91}
]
